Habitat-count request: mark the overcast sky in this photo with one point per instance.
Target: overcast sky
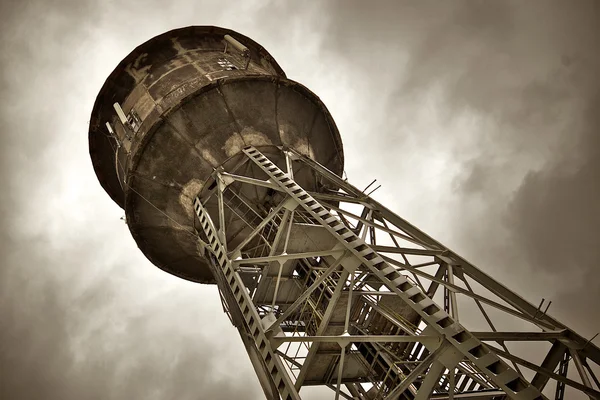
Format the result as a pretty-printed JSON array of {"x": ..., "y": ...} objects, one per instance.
[{"x": 480, "y": 119}]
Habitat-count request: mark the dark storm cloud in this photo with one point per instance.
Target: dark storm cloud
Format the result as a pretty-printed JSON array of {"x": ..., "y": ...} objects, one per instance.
[
  {"x": 77, "y": 319},
  {"x": 555, "y": 219},
  {"x": 84, "y": 341},
  {"x": 557, "y": 208},
  {"x": 527, "y": 193}
]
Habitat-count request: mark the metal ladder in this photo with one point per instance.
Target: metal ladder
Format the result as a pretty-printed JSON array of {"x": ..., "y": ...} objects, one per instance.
[
  {"x": 243, "y": 302},
  {"x": 500, "y": 373}
]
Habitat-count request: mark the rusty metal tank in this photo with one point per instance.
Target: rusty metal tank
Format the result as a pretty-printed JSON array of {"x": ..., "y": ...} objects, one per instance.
[{"x": 179, "y": 106}]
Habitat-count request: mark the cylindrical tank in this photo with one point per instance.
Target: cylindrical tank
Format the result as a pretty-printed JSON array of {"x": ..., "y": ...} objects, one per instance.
[{"x": 179, "y": 106}]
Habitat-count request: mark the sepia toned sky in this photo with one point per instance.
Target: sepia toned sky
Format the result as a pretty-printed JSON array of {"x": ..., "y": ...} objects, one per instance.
[{"x": 481, "y": 120}]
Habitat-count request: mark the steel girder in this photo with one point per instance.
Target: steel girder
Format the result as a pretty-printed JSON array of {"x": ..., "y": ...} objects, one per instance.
[{"x": 331, "y": 288}]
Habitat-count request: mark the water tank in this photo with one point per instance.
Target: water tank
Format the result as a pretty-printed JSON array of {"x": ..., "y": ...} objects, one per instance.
[{"x": 184, "y": 104}]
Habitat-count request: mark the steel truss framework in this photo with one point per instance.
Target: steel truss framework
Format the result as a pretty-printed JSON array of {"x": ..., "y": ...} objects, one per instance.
[{"x": 331, "y": 288}]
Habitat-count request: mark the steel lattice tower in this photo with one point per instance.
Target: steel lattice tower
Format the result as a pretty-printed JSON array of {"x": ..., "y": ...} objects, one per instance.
[{"x": 230, "y": 174}]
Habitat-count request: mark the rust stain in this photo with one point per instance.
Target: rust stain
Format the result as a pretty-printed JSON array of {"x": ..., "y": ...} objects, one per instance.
[{"x": 189, "y": 191}]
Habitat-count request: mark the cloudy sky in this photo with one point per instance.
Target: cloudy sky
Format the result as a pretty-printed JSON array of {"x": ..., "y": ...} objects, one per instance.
[{"x": 481, "y": 120}]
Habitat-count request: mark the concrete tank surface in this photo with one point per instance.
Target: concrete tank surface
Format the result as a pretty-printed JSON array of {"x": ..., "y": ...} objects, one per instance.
[{"x": 179, "y": 106}]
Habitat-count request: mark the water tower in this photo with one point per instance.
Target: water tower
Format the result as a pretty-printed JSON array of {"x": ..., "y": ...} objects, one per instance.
[{"x": 231, "y": 174}]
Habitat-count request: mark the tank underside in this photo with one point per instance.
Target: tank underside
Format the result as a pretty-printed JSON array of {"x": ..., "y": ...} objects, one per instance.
[{"x": 207, "y": 131}]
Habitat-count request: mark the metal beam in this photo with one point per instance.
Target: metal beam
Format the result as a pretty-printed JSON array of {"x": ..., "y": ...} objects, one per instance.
[
  {"x": 251, "y": 181},
  {"x": 407, "y": 250},
  {"x": 550, "y": 362},
  {"x": 415, "y": 373},
  {"x": 519, "y": 336},
  {"x": 312, "y": 352},
  {"x": 482, "y": 278},
  {"x": 587, "y": 390},
  {"x": 591, "y": 372},
  {"x": 407, "y": 329},
  {"x": 435, "y": 284},
  {"x": 373, "y": 224},
  {"x": 581, "y": 370},
  {"x": 302, "y": 298},
  {"x": 338, "y": 197},
  {"x": 260, "y": 226},
  {"x": 344, "y": 340},
  {"x": 432, "y": 378},
  {"x": 453, "y": 303},
  {"x": 466, "y": 292},
  {"x": 479, "y": 395},
  {"x": 285, "y": 257}
]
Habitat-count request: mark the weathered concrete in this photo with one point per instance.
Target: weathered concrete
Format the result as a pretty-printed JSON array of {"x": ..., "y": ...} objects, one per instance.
[{"x": 196, "y": 108}]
